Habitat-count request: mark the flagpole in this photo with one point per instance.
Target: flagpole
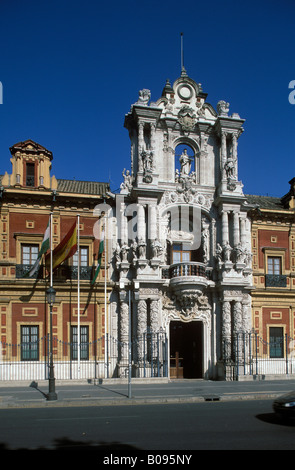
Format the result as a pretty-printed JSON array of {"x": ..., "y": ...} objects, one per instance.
[
  {"x": 51, "y": 275},
  {"x": 50, "y": 299},
  {"x": 78, "y": 250},
  {"x": 105, "y": 285}
]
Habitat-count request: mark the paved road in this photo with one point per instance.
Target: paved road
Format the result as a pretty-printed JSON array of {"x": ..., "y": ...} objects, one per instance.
[{"x": 123, "y": 430}]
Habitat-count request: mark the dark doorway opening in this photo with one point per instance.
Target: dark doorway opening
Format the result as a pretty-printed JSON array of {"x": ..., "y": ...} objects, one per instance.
[{"x": 186, "y": 350}]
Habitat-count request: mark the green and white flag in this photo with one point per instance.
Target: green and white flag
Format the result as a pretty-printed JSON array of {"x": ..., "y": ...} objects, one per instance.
[
  {"x": 99, "y": 257},
  {"x": 44, "y": 247}
]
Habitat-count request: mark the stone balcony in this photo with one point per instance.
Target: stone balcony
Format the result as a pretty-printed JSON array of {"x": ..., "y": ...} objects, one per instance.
[
  {"x": 62, "y": 272},
  {"x": 187, "y": 276}
]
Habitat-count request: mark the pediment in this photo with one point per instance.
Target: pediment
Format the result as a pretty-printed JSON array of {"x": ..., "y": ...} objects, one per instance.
[{"x": 31, "y": 147}]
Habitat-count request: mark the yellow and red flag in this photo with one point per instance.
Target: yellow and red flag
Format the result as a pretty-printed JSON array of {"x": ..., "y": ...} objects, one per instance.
[{"x": 66, "y": 248}]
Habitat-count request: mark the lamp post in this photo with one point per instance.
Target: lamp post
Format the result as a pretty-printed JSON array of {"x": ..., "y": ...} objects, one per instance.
[{"x": 51, "y": 393}]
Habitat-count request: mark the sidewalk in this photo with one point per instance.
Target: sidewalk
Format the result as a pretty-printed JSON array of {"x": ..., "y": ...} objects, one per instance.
[{"x": 115, "y": 392}]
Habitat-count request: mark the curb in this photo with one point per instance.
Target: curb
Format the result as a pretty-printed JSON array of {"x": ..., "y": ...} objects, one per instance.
[{"x": 134, "y": 401}]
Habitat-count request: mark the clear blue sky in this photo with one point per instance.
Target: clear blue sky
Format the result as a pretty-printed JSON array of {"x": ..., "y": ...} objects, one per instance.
[{"x": 71, "y": 69}]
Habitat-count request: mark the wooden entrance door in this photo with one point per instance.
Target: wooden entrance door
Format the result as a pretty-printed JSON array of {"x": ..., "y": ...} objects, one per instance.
[{"x": 186, "y": 350}]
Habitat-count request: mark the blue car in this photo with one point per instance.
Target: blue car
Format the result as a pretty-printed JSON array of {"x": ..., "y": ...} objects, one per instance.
[{"x": 284, "y": 406}]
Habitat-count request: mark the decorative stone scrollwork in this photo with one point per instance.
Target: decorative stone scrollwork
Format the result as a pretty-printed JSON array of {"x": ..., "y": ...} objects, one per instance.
[
  {"x": 187, "y": 305},
  {"x": 187, "y": 118}
]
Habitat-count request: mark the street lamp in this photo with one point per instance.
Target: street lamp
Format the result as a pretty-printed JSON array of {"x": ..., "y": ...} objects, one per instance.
[{"x": 51, "y": 393}]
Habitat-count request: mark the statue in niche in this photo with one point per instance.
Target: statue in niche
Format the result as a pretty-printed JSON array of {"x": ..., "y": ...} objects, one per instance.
[
  {"x": 134, "y": 250},
  {"x": 230, "y": 169},
  {"x": 240, "y": 253},
  {"x": 124, "y": 251},
  {"x": 148, "y": 165},
  {"x": 142, "y": 249},
  {"x": 117, "y": 255},
  {"x": 227, "y": 249},
  {"x": 157, "y": 249},
  {"x": 205, "y": 244},
  {"x": 147, "y": 159},
  {"x": 185, "y": 162},
  {"x": 219, "y": 252}
]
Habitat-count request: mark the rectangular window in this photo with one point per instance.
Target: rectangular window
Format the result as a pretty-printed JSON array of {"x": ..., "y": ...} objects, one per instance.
[
  {"x": 29, "y": 253},
  {"x": 30, "y": 343},
  {"x": 30, "y": 174},
  {"x": 180, "y": 254},
  {"x": 84, "y": 343},
  {"x": 83, "y": 257},
  {"x": 274, "y": 265},
  {"x": 276, "y": 342}
]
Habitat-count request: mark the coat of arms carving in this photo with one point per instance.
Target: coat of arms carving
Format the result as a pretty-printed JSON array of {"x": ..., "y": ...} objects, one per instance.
[{"x": 187, "y": 118}]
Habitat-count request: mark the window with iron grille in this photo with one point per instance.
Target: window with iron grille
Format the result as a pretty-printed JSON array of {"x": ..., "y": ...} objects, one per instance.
[
  {"x": 84, "y": 343},
  {"x": 30, "y": 343},
  {"x": 276, "y": 342}
]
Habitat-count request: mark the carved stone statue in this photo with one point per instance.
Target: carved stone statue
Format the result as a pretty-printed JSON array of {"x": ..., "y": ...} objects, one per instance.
[
  {"x": 142, "y": 249},
  {"x": 127, "y": 183},
  {"x": 222, "y": 108},
  {"x": 185, "y": 163},
  {"x": 227, "y": 249},
  {"x": 144, "y": 97},
  {"x": 157, "y": 249}
]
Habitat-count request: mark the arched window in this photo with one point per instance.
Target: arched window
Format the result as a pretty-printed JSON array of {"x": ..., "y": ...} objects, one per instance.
[{"x": 184, "y": 159}]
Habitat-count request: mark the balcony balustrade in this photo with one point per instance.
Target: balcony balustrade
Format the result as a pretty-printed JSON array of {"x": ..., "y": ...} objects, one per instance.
[
  {"x": 185, "y": 269},
  {"x": 62, "y": 272},
  {"x": 275, "y": 280}
]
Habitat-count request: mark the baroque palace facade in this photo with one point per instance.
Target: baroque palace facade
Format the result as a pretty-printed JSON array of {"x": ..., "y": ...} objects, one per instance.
[{"x": 197, "y": 279}]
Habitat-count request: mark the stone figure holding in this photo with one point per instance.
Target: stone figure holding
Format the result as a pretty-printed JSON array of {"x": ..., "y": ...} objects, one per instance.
[
  {"x": 185, "y": 163},
  {"x": 156, "y": 248},
  {"x": 227, "y": 249}
]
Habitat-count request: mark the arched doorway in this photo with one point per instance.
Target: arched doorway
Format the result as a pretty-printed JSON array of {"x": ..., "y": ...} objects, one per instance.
[{"x": 186, "y": 350}]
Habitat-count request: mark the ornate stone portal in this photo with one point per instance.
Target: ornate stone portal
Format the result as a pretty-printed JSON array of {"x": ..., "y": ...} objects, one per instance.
[{"x": 181, "y": 244}]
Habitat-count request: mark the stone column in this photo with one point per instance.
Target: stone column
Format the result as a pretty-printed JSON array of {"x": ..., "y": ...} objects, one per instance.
[
  {"x": 124, "y": 337},
  {"x": 225, "y": 238},
  {"x": 237, "y": 330},
  {"x": 223, "y": 154},
  {"x": 236, "y": 229},
  {"x": 141, "y": 329},
  {"x": 152, "y": 223},
  {"x": 243, "y": 231},
  {"x": 235, "y": 153},
  {"x": 140, "y": 145},
  {"x": 246, "y": 313},
  {"x": 226, "y": 330},
  {"x": 140, "y": 222},
  {"x": 124, "y": 227},
  {"x": 152, "y": 126},
  {"x": 154, "y": 316}
]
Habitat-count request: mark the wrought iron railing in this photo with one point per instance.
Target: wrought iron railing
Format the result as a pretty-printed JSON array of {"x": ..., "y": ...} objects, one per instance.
[
  {"x": 67, "y": 272},
  {"x": 250, "y": 354},
  {"x": 101, "y": 358},
  {"x": 275, "y": 280}
]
